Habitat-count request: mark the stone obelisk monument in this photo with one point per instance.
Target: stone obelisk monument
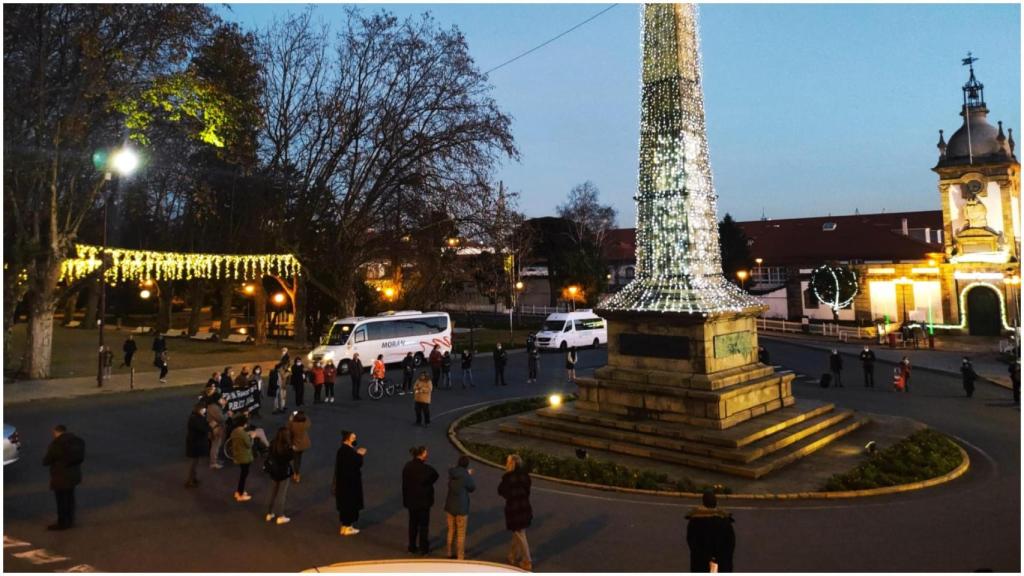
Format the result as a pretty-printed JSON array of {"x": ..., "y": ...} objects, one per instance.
[{"x": 683, "y": 382}]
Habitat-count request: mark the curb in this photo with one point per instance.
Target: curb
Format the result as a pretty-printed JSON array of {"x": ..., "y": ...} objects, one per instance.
[
  {"x": 965, "y": 464},
  {"x": 802, "y": 344}
]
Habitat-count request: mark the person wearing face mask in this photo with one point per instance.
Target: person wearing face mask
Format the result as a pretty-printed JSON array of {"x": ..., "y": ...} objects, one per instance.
[
  {"x": 197, "y": 441},
  {"x": 835, "y": 364},
  {"x": 867, "y": 362}
]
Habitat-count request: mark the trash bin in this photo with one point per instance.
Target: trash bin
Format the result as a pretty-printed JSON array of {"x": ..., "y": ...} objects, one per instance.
[{"x": 892, "y": 340}]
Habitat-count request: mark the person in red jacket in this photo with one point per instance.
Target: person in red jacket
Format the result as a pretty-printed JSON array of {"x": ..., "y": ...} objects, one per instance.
[
  {"x": 330, "y": 373},
  {"x": 317, "y": 377},
  {"x": 436, "y": 360}
]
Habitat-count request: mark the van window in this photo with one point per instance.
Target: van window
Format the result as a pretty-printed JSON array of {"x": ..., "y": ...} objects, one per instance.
[
  {"x": 590, "y": 324},
  {"x": 338, "y": 335},
  {"x": 360, "y": 334},
  {"x": 553, "y": 325}
]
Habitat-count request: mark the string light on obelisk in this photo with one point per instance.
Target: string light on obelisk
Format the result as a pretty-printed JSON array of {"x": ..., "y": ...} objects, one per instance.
[{"x": 679, "y": 264}]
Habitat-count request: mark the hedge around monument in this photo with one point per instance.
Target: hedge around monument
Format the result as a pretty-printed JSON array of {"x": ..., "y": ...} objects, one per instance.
[{"x": 923, "y": 455}]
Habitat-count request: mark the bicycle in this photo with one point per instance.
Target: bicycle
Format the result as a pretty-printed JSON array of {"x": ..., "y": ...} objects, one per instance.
[{"x": 379, "y": 388}]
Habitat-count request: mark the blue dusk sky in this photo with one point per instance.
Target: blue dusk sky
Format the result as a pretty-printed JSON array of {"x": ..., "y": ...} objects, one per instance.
[{"x": 811, "y": 109}]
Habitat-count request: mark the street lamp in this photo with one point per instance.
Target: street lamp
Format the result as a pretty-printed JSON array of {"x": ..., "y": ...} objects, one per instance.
[
  {"x": 122, "y": 162},
  {"x": 389, "y": 293},
  {"x": 145, "y": 294},
  {"x": 278, "y": 300},
  {"x": 742, "y": 275},
  {"x": 573, "y": 290},
  {"x": 758, "y": 272}
]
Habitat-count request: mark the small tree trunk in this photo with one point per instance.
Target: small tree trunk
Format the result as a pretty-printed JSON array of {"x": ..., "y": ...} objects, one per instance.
[
  {"x": 92, "y": 305},
  {"x": 259, "y": 297},
  {"x": 196, "y": 297},
  {"x": 163, "y": 316},
  {"x": 70, "y": 305},
  {"x": 227, "y": 292},
  {"x": 299, "y": 313}
]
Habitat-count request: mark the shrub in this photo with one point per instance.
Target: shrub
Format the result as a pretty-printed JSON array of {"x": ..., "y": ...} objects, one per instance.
[
  {"x": 508, "y": 409},
  {"x": 920, "y": 456}
]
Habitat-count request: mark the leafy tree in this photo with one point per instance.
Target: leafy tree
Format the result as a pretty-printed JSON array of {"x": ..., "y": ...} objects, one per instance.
[
  {"x": 735, "y": 248},
  {"x": 69, "y": 70}
]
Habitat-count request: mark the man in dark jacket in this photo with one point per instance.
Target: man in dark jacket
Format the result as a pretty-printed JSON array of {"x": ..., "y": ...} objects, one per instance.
[
  {"x": 129, "y": 347},
  {"x": 159, "y": 347},
  {"x": 347, "y": 486},
  {"x": 835, "y": 365},
  {"x": 500, "y": 358},
  {"x": 227, "y": 380},
  {"x": 969, "y": 376},
  {"x": 64, "y": 457},
  {"x": 355, "y": 370},
  {"x": 197, "y": 441},
  {"x": 418, "y": 480},
  {"x": 467, "y": 367},
  {"x": 710, "y": 536},
  {"x": 436, "y": 361},
  {"x": 867, "y": 362},
  {"x": 408, "y": 369},
  {"x": 298, "y": 382}
]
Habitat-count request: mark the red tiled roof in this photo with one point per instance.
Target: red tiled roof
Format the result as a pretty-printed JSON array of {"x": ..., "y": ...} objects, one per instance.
[{"x": 804, "y": 241}]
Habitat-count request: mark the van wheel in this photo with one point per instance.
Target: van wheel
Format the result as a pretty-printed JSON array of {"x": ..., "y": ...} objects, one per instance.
[
  {"x": 564, "y": 346},
  {"x": 343, "y": 367},
  {"x": 418, "y": 360},
  {"x": 596, "y": 342}
]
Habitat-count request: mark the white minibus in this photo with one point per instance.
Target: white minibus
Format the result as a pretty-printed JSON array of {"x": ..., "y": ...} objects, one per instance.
[{"x": 392, "y": 334}]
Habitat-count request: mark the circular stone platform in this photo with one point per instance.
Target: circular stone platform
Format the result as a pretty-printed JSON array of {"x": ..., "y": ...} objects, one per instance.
[{"x": 808, "y": 474}]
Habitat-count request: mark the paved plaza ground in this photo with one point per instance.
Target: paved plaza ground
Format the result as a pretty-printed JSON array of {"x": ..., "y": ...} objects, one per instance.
[{"x": 134, "y": 514}]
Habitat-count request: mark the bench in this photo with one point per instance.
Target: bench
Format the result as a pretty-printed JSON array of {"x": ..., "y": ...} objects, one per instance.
[
  {"x": 204, "y": 336},
  {"x": 238, "y": 339},
  {"x": 175, "y": 334},
  {"x": 141, "y": 330},
  {"x": 73, "y": 324}
]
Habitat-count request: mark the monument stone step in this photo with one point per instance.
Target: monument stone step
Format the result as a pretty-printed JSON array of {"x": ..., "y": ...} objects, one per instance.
[
  {"x": 755, "y": 469},
  {"x": 749, "y": 453}
]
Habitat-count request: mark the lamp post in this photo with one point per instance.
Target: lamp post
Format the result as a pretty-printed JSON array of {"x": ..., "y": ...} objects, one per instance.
[
  {"x": 515, "y": 303},
  {"x": 742, "y": 275},
  {"x": 278, "y": 300},
  {"x": 123, "y": 162},
  {"x": 572, "y": 295},
  {"x": 758, "y": 271}
]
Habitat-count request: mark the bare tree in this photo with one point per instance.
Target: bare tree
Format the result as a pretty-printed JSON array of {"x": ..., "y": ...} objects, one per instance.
[{"x": 591, "y": 220}]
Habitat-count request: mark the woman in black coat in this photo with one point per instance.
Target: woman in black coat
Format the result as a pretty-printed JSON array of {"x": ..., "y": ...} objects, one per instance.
[
  {"x": 515, "y": 489},
  {"x": 279, "y": 466},
  {"x": 355, "y": 369},
  {"x": 197, "y": 441},
  {"x": 347, "y": 486},
  {"x": 299, "y": 382}
]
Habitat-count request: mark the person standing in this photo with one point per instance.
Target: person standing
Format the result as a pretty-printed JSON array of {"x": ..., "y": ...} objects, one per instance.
[
  {"x": 298, "y": 382},
  {"x": 227, "y": 379},
  {"x": 867, "y": 362},
  {"x": 279, "y": 466},
  {"x": 347, "y": 485},
  {"x": 355, "y": 369},
  {"x": 418, "y": 480},
  {"x": 456, "y": 506},
  {"x": 285, "y": 360},
  {"x": 298, "y": 429},
  {"x": 968, "y": 375},
  {"x": 215, "y": 418},
  {"x": 467, "y": 367},
  {"x": 214, "y": 381},
  {"x": 108, "y": 361},
  {"x": 330, "y": 373},
  {"x": 421, "y": 395},
  {"x": 436, "y": 361},
  {"x": 905, "y": 373},
  {"x": 570, "y": 365},
  {"x": 318, "y": 379},
  {"x": 515, "y": 489},
  {"x": 1015, "y": 379},
  {"x": 446, "y": 370},
  {"x": 532, "y": 363},
  {"x": 762, "y": 356},
  {"x": 379, "y": 371},
  {"x": 129, "y": 348},
  {"x": 241, "y": 453},
  {"x": 710, "y": 536},
  {"x": 256, "y": 382},
  {"x": 197, "y": 441},
  {"x": 273, "y": 385},
  {"x": 835, "y": 365},
  {"x": 241, "y": 382},
  {"x": 163, "y": 366},
  {"x": 64, "y": 457},
  {"x": 408, "y": 369},
  {"x": 500, "y": 358},
  {"x": 159, "y": 347}
]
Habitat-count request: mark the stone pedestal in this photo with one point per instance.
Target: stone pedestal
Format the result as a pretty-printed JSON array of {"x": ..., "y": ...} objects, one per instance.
[{"x": 689, "y": 389}]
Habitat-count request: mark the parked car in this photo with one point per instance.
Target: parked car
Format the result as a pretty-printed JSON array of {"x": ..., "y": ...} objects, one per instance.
[
  {"x": 563, "y": 330},
  {"x": 12, "y": 444}
]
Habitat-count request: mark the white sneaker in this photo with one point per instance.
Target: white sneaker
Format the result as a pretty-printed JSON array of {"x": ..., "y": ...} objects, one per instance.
[
  {"x": 243, "y": 497},
  {"x": 283, "y": 520},
  {"x": 270, "y": 517},
  {"x": 163, "y": 380},
  {"x": 349, "y": 531}
]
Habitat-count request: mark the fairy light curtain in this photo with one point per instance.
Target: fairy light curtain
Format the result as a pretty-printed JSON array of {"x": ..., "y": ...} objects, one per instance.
[{"x": 139, "y": 265}]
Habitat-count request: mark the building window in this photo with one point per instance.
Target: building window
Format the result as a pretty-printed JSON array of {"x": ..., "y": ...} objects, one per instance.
[
  {"x": 927, "y": 296},
  {"x": 810, "y": 300},
  {"x": 883, "y": 300}
]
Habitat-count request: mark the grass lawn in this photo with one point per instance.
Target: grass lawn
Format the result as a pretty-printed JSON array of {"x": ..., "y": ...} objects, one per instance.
[
  {"x": 74, "y": 352},
  {"x": 484, "y": 339}
]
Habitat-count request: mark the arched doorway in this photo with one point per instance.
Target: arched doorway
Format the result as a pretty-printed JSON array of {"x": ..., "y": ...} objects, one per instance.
[{"x": 983, "y": 311}]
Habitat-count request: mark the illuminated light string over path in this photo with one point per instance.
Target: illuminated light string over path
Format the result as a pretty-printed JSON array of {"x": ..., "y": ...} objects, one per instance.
[
  {"x": 679, "y": 264},
  {"x": 140, "y": 265}
]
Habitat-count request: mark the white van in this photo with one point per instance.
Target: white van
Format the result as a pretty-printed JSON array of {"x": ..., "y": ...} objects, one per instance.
[
  {"x": 564, "y": 330},
  {"x": 392, "y": 334}
]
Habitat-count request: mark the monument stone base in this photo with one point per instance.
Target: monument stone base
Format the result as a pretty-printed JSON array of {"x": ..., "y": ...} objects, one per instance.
[{"x": 689, "y": 389}]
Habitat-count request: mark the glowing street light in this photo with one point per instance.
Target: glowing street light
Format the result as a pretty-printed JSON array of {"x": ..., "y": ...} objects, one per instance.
[
  {"x": 248, "y": 288},
  {"x": 124, "y": 161},
  {"x": 520, "y": 285},
  {"x": 742, "y": 275},
  {"x": 279, "y": 298},
  {"x": 389, "y": 293},
  {"x": 145, "y": 294},
  {"x": 555, "y": 400}
]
